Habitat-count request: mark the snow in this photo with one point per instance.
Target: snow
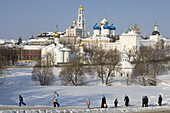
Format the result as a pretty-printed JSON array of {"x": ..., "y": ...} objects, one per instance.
[
  {"x": 18, "y": 81},
  {"x": 131, "y": 33},
  {"x": 97, "y": 38},
  {"x": 32, "y": 47}
]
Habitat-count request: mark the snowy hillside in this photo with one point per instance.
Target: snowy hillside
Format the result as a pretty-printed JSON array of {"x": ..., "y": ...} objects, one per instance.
[{"x": 18, "y": 81}]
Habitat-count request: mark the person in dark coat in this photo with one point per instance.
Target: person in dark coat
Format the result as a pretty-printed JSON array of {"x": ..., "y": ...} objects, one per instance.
[
  {"x": 104, "y": 105},
  {"x": 21, "y": 101},
  {"x": 126, "y": 99},
  {"x": 143, "y": 101},
  {"x": 160, "y": 100},
  {"x": 116, "y": 102},
  {"x": 146, "y": 101}
]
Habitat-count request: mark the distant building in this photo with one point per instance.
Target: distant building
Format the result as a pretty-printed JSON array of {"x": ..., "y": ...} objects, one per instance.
[
  {"x": 81, "y": 20},
  {"x": 124, "y": 68},
  {"x": 30, "y": 53},
  {"x": 56, "y": 53},
  {"x": 104, "y": 30}
]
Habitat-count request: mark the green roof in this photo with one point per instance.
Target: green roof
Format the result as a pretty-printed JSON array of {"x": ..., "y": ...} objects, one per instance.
[{"x": 128, "y": 30}]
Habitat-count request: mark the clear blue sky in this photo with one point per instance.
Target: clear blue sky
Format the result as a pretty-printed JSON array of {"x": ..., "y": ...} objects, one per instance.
[{"x": 29, "y": 17}]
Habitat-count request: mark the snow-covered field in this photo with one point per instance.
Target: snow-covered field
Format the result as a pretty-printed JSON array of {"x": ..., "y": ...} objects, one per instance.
[{"x": 18, "y": 81}]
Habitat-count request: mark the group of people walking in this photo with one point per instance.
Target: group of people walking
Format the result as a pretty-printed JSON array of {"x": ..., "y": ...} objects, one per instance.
[{"x": 145, "y": 101}]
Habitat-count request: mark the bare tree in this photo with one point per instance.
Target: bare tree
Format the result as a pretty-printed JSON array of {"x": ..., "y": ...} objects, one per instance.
[
  {"x": 105, "y": 62},
  {"x": 98, "y": 58},
  {"x": 150, "y": 61},
  {"x": 4, "y": 58},
  {"x": 112, "y": 59},
  {"x": 73, "y": 74},
  {"x": 43, "y": 71}
]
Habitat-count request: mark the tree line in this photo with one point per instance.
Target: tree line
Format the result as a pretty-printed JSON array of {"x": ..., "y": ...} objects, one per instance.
[
  {"x": 148, "y": 62},
  {"x": 7, "y": 55}
]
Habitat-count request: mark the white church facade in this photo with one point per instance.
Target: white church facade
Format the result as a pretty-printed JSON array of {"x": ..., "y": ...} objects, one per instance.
[{"x": 56, "y": 53}]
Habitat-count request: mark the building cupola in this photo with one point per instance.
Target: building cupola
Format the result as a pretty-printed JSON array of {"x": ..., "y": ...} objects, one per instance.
[
  {"x": 96, "y": 27},
  {"x": 112, "y": 27},
  {"x": 106, "y": 26}
]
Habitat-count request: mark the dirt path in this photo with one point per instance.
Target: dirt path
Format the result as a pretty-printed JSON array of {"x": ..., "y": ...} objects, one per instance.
[{"x": 69, "y": 108}]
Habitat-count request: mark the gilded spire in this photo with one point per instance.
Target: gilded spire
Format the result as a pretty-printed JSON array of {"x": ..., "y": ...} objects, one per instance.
[
  {"x": 135, "y": 27},
  {"x": 56, "y": 35},
  {"x": 81, "y": 7},
  {"x": 138, "y": 29},
  {"x": 74, "y": 22}
]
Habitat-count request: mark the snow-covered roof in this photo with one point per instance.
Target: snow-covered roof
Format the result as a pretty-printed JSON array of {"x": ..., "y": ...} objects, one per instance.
[
  {"x": 125, "y": 65},
  {"x": 32, "y": 47},
  {"x": 142, "y": 40},
  {"x": 64, "y": 49},
  {"x": 58, "y": 45},
  {"x": 97, "y": 38},
  {"x": 166, "y": 39},
  {"x": 37, "y": 40},
  {"x": 124, "y": 56},
  {"x": 9, "y": 40},
  {"x": 130, "y": 33}
]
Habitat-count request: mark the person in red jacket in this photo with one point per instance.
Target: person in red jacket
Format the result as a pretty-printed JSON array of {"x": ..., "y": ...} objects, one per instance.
[{"x": 88, "y": 103}]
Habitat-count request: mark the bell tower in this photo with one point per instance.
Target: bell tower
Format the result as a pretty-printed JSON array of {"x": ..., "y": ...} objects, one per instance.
[{"x": 81, "y": 20}]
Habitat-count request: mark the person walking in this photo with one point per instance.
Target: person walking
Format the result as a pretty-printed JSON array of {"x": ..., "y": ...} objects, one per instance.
[
  {"x": 160, "y": 100},
  {"x": 143, "y": 101},
  {"x": 21, "y": 101},
  {"x": 88, "y": 103},
  {"x": 116, "y": 102},
  {"x": 103, "y": 105},
  {"x": 56, "y": 99},
  {"x": 126, "y": 99},
  {"x": 146, "y": 101}
]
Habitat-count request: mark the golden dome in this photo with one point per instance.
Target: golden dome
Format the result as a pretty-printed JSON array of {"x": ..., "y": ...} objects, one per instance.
[
  {"x": 156, "y": 25},
  {"x": 81, "y": 7},
  {"x": 138, "y": 29},
  {"x": 135, "y": 27},
  {"x": 56, "y": 35},
  {"x": 40, "y": 33},
  {"x": 103, "y": 22},
  {"x": 74, "y": 23},
  {"x": 132, "y": 28},
  {"x": 81, "y": 45}
]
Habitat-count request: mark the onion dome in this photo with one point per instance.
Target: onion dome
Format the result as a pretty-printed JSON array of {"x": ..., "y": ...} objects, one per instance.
[
  {"x": 74, "y": 23},
  {"x": 112, "y": 27},
  {"x": 138, "y": 29},
  {"x": 81, "y": 7},
  {"x": 81, "y": 45},
  {"x": 96, "y": 26},
  {"x": 155, "y": 33},
  {"x": 40, "y": 33},
  {"x": 156, "y": 25},
  {"x": 56, "y": 35},
  {"x": 106, "y": 26},
  {"x": 103, "y": 22}
]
